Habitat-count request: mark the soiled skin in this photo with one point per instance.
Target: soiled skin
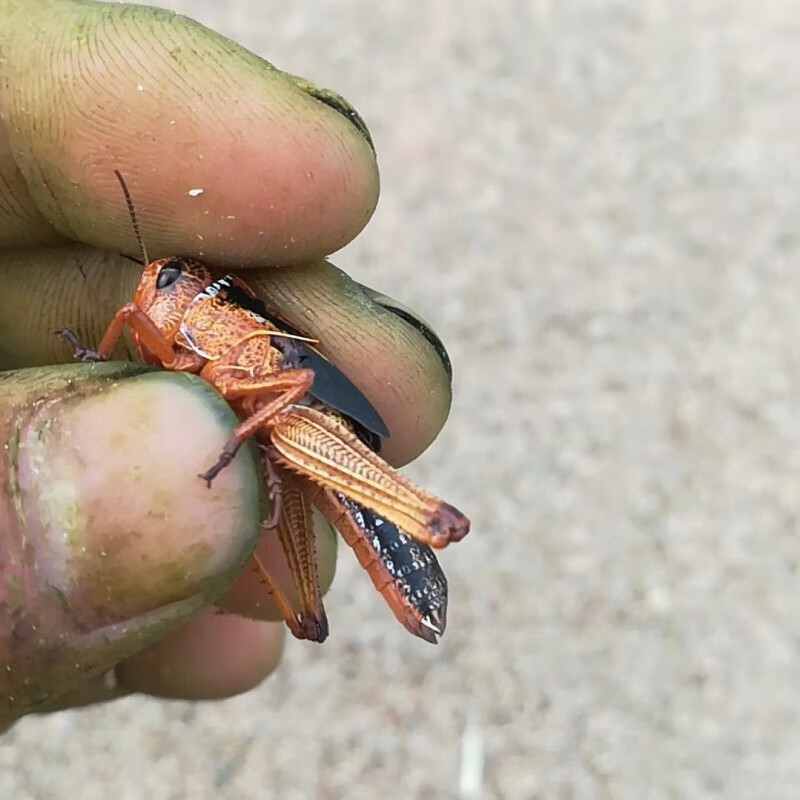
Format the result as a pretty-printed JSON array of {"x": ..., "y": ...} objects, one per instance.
[{"x": 288, "y": 175}]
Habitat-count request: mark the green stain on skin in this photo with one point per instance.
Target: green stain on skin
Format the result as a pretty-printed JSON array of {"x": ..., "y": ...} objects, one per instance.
[
  {"x": 79, "y": 34},
  {"x": 73, "y": 522},
  {"x": 15, "y": 591},
  {"x": 118, "y": 438},
  {"x": 161, "y": 505},
  {"x": 63, "y": 600},
  {"x": 124, "y": 593}
]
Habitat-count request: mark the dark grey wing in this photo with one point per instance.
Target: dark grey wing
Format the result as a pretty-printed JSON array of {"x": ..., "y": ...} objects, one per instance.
[{"x": 332, "y": 387}]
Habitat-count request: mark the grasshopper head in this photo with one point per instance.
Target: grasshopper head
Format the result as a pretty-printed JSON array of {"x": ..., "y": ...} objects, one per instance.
[{"x": 167, "y": 288}]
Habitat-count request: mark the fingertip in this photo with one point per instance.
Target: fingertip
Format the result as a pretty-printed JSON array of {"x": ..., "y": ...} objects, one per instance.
[
  {"x": 113, "y": 502},
  {"x": 227, "y": 158},
  {"x": 113, "y": 538},
  {"x": 211, "y": 657}
]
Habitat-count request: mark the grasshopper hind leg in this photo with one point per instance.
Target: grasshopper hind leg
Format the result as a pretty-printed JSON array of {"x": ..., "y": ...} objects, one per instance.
[{"x": 291, "y": 524}]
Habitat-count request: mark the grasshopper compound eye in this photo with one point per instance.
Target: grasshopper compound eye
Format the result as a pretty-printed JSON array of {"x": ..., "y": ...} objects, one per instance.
[{"x": 168, "y": 274}]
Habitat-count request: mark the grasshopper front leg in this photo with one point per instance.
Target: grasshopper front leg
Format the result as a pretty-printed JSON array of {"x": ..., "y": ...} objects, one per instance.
[
  {"x": 147, "y": 334},
  {"x": 78, "y": 350},
  {"x": 110, "y": 339}
]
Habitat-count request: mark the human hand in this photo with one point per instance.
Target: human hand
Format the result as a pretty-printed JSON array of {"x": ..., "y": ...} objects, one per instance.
[{"x": 112, "y": 553}]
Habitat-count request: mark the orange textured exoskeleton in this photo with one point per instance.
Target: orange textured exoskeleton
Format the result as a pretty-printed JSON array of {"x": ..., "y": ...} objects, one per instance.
[{"x": 317, "y": 432}]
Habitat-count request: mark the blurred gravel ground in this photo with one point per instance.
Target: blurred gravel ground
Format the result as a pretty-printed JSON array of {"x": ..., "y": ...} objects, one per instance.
[{"x": 596, "y": 203}]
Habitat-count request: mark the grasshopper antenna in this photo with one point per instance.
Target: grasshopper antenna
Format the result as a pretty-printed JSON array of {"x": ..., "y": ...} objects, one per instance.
[
  {"x": 297, "y": 336},
  {"x": 132, "y": 212}
]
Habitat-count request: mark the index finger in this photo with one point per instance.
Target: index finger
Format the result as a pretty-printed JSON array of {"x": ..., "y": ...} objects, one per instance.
[{"x": 226, "y": 158}]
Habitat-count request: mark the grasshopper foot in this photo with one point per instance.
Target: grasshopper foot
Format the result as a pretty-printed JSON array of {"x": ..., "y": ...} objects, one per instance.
[
  {"x": 228, "y": 453},
  {"x": 314, "y": 629},
  {"x": 82, "y": 353},
  {"x": 308, "y": 628}
]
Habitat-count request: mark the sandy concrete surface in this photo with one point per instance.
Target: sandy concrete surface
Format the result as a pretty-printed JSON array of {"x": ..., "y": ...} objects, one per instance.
[{"x": 598, "y": 205}]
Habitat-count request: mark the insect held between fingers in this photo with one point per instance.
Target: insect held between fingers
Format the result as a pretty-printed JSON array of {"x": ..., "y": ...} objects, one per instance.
[{"x": 318, "y": 432}]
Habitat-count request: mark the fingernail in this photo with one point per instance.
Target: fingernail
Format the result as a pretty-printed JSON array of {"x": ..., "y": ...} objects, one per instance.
[
  {"x": 416, "y": 322},
  {"x": 338, "y": 104},
  {"x": 110, "y": 535}
]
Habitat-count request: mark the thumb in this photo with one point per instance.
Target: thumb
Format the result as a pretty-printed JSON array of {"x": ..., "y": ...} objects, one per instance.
[
  {"x": 227, "y": 158},
  {"x": 108, "y": 540}
]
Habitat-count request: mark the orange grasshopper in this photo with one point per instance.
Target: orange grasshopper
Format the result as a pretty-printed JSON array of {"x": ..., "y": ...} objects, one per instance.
[{"x": 319, "y": 437}]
